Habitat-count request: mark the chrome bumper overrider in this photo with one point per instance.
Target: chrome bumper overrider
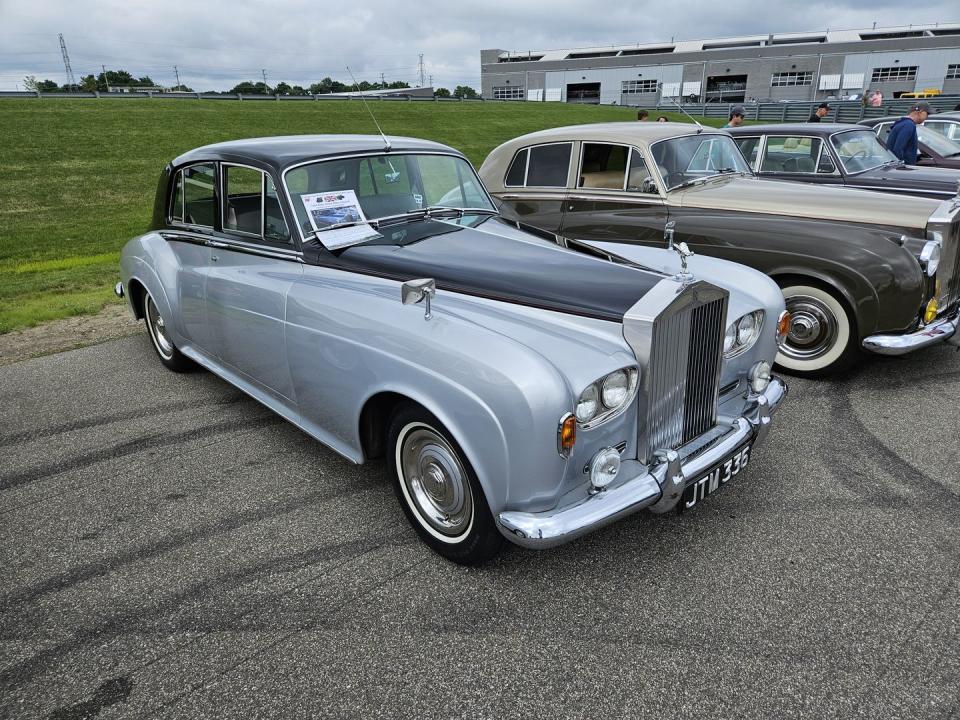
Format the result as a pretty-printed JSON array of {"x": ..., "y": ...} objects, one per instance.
[
  {"x": 658, "y": 488},
  {"x": 941, "y": 330}
]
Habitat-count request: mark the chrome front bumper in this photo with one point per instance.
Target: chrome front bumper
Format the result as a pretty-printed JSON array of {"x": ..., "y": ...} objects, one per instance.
[
  {"x": 658, "y": 488},
  {"x": 941, "y": 330}
]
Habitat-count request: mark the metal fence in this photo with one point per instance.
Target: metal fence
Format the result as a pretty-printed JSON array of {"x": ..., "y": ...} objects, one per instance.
[
  {"x": 230, "y": 96},
  {"x": 844, "y": 111}
]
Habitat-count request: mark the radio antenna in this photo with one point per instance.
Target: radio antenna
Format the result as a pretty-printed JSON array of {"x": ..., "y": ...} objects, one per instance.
[
  {"x": 695, "y": 121},
  {"x": 372, "y": 117}
]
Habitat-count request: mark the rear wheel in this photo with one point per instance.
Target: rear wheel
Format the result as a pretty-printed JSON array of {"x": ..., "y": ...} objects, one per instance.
[
  {"x": 822, "y": 338},
  {"x": 438, "y": 489},
  {"x": 160, "y": 337}
]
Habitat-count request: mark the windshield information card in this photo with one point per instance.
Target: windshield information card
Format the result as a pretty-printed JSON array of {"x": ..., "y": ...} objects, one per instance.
[{"x": 330, "y": 209}]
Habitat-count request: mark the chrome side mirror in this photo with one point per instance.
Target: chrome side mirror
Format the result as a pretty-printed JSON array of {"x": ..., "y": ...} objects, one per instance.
[
  {"x": 413, "y": 291},
  {"x": 649, "y": 185}
]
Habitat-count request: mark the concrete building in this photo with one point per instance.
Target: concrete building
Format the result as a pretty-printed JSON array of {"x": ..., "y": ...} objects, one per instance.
[{"x": 778, "y": 66}]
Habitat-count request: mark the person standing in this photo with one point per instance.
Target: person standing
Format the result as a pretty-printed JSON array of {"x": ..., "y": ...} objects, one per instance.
[
  {"x": 902, "y": 140},
  {"x": 642, "y": 115},
  {"x": 736, "y": 116},
  {"x": 820, "y": 113}
]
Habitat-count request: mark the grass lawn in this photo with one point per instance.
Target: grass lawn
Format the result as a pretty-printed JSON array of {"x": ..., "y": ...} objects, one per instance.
[{"x": 78, "y": 176}]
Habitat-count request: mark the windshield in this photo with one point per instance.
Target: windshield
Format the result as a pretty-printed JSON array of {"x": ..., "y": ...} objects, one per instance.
[
  {"x": 860, "y": 150},
  {"x": 389, "y": 184},
  {"x": 942, "y": 146},
  {"x": 687, "y": 159}
]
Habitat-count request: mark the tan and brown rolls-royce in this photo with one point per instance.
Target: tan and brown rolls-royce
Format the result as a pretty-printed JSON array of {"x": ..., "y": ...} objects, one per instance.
[{"x": 859, "y": 270}]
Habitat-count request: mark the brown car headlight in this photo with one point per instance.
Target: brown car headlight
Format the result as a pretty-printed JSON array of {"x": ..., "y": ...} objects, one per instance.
[{"x": 930, "y": 257}]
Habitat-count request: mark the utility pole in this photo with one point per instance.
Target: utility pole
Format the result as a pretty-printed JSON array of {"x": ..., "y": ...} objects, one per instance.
[
  {"x": 66, "y": 63},
  {"x": 383, "y": 83},
  {"x": 177, "y": 73},
  {"x": 264, "y": 73},
  {"x": 106, "y": 83},
  {"x": 421, "y": 70},
  {"x": 431, "y": 81}
]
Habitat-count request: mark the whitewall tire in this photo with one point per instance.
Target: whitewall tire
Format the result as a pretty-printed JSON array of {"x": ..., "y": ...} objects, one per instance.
[{"x": 822, "y": 337}]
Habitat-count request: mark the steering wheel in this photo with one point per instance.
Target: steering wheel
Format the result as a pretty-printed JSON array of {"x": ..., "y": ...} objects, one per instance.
[{"x": 860, "y": 154}]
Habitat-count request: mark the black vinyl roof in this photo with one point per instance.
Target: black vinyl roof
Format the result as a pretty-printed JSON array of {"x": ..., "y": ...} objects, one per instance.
[{"x": 281, "y": 152}]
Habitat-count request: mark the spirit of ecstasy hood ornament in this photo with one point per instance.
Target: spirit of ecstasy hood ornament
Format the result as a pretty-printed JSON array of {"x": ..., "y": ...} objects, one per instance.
[{"x": 684, "y": 252}]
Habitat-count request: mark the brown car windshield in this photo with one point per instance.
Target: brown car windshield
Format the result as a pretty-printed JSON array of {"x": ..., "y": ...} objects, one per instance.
[
  {"x": 685, "y": 160},
  {"x": 860, "y": 150},
  {"x": 389, "y": 184}
]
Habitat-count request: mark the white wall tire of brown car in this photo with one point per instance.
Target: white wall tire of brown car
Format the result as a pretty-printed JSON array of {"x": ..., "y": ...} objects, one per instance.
[{"x": 822, "y": 338}]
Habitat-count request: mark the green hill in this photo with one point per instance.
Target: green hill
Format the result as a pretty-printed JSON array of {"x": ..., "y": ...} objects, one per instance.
[{"x": 79, "y": 176}]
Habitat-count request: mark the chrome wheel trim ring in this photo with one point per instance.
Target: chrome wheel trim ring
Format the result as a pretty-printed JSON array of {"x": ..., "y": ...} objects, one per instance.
[
  {"x": 813, "y": 328},
  {"x": 434, "y": 482},
  {"x": 158, "y": 331}
]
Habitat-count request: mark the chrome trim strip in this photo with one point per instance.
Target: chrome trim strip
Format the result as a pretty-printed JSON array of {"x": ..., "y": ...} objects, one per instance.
[
  {"x": 620, "y": 197},
  {"x": 655, "y": 488},
  {"x": 941, "y": 330}
]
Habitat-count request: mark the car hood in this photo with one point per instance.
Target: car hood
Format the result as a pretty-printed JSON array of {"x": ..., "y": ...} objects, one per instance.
[
  {"x": 497, "y": 261},
  {"x": 912, "y": 176},
  {"x": 794, "y": 199}
]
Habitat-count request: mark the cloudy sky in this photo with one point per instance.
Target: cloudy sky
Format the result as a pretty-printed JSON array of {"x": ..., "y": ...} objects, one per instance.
[{"x": 218, "y": 43}]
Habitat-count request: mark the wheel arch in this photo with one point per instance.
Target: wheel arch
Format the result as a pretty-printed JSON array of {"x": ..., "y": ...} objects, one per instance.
[{"x": 863, "y": 314}]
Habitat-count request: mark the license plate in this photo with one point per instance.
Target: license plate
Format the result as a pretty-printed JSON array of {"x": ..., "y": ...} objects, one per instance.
[{"x": 718, "y": 476}]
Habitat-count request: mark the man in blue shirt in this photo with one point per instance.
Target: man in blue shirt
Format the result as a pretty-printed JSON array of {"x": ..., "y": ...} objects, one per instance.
[{"x": 902, "y": 140}]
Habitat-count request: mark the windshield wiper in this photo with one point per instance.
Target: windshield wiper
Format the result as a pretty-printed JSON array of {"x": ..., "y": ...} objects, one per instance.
[
  {"x": 697, "y": 181},
  {"x": 434, "y": 211}
]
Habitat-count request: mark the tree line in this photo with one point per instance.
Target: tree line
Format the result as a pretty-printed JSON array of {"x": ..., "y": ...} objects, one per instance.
[{"x": 121, "y": 78}]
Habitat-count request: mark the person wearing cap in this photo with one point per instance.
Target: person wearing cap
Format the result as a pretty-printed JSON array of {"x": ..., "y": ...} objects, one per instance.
[
  {"x": 902, "y": 140},
  {"x": 820, "y": 113},
  {"x": 736, "y": 116}
]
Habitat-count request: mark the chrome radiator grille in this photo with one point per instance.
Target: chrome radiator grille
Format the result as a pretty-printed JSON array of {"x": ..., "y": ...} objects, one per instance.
[
  {"x": 949, "y": 273},
  {"x": 683, "y": 376}
]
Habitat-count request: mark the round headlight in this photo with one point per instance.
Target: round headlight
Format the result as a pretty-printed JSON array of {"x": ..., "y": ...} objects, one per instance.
[
  {"x": 730, "y": 338},
  {"x": 616, "y": 388},
  {"x": 604, "y": 467},
  {"x": 746, "y": 329},
  {"x": 587, "y": 405},
  {"x": 760, "y": 376},
  {"x": 930, "y": 257}
]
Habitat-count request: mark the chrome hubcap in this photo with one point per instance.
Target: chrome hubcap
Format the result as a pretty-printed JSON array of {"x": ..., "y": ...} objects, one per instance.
[
  {"x": 436, "y": 481},
  {"x": 158, "y": 330},
  {"x": 813, "y": 328}
]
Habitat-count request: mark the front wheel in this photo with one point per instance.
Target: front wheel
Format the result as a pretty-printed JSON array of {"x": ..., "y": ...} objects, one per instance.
[
  {"x": 159, "y": 334},
  {"x": 822, "y": 338},
  {"x": 438, "y": 489}
]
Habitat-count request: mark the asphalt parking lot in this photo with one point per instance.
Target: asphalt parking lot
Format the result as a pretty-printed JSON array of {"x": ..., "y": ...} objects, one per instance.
[{"x": 169, "y": 548}]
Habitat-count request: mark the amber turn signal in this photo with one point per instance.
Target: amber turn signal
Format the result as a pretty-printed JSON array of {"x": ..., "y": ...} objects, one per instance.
[
  {"x": 567, "y": 434},
  {"x": 930, "y": 314},
  {"x": 783, "y": 326}
]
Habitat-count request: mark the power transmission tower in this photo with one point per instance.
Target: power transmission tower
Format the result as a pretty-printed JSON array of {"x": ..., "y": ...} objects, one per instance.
[
  {"x": 421, "y": 70},
  {"x": 66, "y": 63},
  {"x": 177, "y": 73}
]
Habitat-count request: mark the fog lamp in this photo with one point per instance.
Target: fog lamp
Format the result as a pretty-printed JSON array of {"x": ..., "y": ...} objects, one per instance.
[
  {"x": 604, "y": 467},
  {"x": 760, "y": 376},
  {"x": 930, "y": 314}
]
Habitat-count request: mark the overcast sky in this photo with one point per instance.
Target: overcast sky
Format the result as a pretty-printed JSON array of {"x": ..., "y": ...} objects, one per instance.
[{"x": 218, "y": 43}]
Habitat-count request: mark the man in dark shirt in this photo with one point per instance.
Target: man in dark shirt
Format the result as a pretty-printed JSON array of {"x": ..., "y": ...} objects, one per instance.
[
  {"x": 902, "y": 140},
  {"x": 736, "y": 116},
  {"x": 819, "y": 113}
]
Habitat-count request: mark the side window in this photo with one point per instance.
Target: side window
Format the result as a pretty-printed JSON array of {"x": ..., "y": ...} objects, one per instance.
[
  {"x": 199, "y": 196},
  {"x": 252, "y": 205},
  {"x": 518, "y": 170},
  {"x": 639, "y": 178},
  {"x": 603, "y": 166},
  {"x": 791, "y": 155},
  {"x": 242, "y": 192},
  {"x": 883, "y": 131},
  {"x": 749, "y": 147},
  {"x": 549, "y": 165}
]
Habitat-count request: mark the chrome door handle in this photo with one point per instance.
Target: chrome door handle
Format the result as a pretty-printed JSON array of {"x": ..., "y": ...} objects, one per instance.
[
  {"x": 214, "y": 258},
  {"x": 217, "y": 244}
]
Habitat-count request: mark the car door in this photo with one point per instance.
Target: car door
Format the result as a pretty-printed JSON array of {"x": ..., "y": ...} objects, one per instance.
[
  {"x": 800, "y": 158},
  {"x": 253, "y": 265},
  {"x": 615, "y": 197},
  {"x": 191, "y": 220},
  {"x": 535, "y": 186}
]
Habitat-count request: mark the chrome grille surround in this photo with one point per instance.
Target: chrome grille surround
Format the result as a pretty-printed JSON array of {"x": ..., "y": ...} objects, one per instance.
[
  {"x": 945, "y": 221},
  {"x": 676, "y": 332}
]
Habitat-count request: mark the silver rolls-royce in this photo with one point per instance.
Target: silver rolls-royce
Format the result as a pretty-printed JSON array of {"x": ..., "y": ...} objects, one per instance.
[{"x": 367, "y": 290}]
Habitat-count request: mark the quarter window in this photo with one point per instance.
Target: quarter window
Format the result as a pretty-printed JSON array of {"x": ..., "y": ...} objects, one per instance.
[
  {"x": 748, "y": 146},
  {"x": 518, "y": 170},
  {"x": 199, "y": 197},
  {"x": 791, "y": 155}
]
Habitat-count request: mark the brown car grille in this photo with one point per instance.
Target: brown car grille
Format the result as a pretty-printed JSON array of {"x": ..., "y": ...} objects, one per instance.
[
  {"x": 684, "y": 376},
  {"x": 949, "y": 273}
]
